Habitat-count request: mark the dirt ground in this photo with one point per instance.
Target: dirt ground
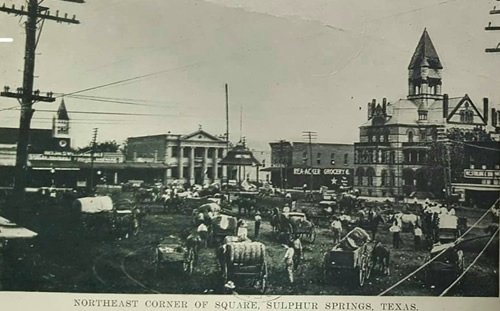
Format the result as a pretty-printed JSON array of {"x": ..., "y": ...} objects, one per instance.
[{"x": 73, "y": 262}]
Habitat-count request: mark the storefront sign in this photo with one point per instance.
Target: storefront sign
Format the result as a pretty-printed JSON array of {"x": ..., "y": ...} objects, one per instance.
[
  {"x": 482, "y": 174},
  {"x": 321, "y": 171}
]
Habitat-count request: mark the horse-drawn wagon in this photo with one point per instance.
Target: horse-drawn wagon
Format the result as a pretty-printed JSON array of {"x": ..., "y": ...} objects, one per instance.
[
  {"x": 293, "y": 223},
  {"x": 100, "y": 215},
  {"x": 351, "y": 255},
  {"x": 448, "y": 266},
  {"x": 171, "y": 252},
  {"x": 244, "y": 263},
  {"x": 221, "y": 227}
]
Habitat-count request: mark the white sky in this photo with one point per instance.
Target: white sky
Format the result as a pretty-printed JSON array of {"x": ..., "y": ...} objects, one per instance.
[{"x": 292, "y": 65}]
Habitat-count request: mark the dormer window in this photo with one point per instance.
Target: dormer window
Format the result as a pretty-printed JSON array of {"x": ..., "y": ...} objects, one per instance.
[{"x": 422, "y": 115}]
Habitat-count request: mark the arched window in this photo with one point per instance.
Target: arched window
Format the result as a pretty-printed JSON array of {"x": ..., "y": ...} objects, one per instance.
[
  {"x": 360, "y": 173},
  {"x": 423, "y": 135},
  {"x": 370, "y": 174},
  {"x": 346, "y": 159},
  {"x": 383, "y": 178},
  {"x": 410, "y": 136}
]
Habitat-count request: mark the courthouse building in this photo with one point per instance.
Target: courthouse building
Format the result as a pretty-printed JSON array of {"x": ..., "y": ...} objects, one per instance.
[
  {"x": 393, "y": 153},
  {"x": 192, "y": 158}
]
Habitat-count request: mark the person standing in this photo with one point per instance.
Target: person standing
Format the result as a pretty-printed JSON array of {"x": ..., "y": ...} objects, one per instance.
[
  {"x": 395, "y": 229},
  {"x": 417, "y": 237},
  {"x": 298, "y": 252},
  {"x": 288, "y": 259},
  {"x": 336, "y": 229},
  {"x": 242, "y": 230},
  {"x": 258, "y": 220}
]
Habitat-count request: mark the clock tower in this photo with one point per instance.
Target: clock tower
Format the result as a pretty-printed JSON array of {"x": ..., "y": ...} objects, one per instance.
[{"x": 60, "y": 128}]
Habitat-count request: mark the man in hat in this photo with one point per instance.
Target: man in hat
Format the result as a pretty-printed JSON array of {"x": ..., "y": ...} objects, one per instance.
[
  {"x": 298, "y": 254},
  {"x": 336, "y": 229},
  {"x": 257, "y": 222}
]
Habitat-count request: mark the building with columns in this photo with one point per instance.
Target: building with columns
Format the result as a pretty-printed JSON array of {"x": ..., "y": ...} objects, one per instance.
[
  {"x": 193, "y": 158},
  {"x": 397, "y": 142}
]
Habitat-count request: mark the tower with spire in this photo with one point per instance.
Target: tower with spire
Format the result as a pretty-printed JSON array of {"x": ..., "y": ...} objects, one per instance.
[
  {"x": 424, "y": 76},
  {"x": 61, "y": 127}
]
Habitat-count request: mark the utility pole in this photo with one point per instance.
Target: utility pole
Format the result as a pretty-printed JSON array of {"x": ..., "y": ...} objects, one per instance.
[
  {"x": 310, "y": 136},
  {"x": 92, "y": 151},
  {"x": 446, "y": 163},
  {"x": 227, "y": 133},
  {"x": 36, "y": 14},
  {"x": 490, "y": 27}
]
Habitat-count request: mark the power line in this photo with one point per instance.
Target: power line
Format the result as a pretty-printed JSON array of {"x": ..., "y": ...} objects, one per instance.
[
  {"x": 475, "y": 146},
  {"x": 117, "y": 113},
  {"x": 115, "y": 98},
  {"x": 438, "y": 255},
  {"x": 130, "y": 79},
  {"x": 116, "y": 101},
  {"x": 36, "y": 15},
  {"x": 470, "y": 266}
]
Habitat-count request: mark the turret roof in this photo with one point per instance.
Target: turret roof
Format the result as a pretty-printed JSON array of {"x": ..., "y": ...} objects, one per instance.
[
  {"x": 425, "y": 54},
  {"x": 62, "y": 113}
]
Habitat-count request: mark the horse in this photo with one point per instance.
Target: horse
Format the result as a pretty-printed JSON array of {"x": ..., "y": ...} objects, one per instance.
[
  {"x": 407, "y": 220},
  {"x": 275, "y": 221},
  {"x": 381, "y": 258}
]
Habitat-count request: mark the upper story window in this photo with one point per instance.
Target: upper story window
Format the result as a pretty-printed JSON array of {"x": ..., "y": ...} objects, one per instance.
[
  {"x": 410, "y": 136},
  {"x": 346, "y": 159},
  {"x": 422, "y": 115},
  {"x": 467, "y": 115}
]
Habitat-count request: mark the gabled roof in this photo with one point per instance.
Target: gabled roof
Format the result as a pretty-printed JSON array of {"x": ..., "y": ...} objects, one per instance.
[
  {"x": 62, "y": 113},
  {"x": 202, "y": 133},
  {"x": 425, "y": 54}
]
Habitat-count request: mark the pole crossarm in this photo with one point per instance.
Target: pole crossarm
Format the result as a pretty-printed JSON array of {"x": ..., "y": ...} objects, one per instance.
[
  {"x": 43, "y": 12},
  {"x": 35, "y": 97}
]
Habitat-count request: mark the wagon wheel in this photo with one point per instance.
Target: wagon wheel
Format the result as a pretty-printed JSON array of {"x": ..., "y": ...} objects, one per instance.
[
  {"x": 362, "y": 270},
  {"x": 188, "y": 264},
  {"x": 311, "y": 236},
  {"x": 263, "y": 281},
  {"x": 326, "y": 272},
  {"x": 156, "y": 262}
]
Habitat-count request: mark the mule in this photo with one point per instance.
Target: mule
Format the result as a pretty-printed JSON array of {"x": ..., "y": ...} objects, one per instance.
[{"x": 381, "y": 258}]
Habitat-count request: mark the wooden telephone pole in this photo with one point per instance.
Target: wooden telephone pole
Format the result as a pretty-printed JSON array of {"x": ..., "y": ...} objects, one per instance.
[
  {"x": 490, "y": 27},
  {"x": 310, "y": 136},
  {"x": 36, "y": 14}
]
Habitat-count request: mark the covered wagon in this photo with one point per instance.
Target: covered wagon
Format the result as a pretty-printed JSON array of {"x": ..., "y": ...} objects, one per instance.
[
  {"x": 221, "y": 227},
  {"x": 100, "y": 215},
  {"x": 351, "y": 257},
  {"x": 244, "y": 263}
]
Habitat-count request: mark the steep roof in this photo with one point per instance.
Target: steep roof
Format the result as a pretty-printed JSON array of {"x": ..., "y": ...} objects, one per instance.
[
  {"x": 425, "y": 54},
  {"x": 62, "y": 113},
  {"x": 240, "y": 155}
]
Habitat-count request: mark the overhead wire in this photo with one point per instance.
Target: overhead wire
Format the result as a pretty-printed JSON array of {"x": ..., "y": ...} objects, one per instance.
[
  {"x": 438, "y": 255},
  {"x": 470, "y": 266}
]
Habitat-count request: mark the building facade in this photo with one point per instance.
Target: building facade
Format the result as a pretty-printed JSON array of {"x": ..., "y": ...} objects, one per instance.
[
  {"x": 294, "y": 164},
  {"x": 396, "y": 152},
  {"x": 193, "y": 158}
]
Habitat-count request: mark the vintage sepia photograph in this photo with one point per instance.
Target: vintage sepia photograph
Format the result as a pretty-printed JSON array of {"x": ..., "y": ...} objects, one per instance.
[{"x": 250, "y": 147}]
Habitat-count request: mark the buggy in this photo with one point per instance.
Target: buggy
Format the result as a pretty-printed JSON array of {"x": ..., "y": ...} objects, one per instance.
[
  {"x": 171, "y": 252},
  {"x": 449, "y": 265}
]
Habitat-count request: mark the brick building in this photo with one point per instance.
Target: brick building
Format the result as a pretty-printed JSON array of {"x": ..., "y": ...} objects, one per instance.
[
  {"x": 393, "y": 153},
  {"x": 291, "y": 167}
]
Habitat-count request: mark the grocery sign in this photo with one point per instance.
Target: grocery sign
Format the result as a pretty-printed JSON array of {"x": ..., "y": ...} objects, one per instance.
[{"x": 482, "y": 174}]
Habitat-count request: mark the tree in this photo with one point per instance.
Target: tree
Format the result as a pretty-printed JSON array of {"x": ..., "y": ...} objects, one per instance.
[{"x": 107, "y": 146}]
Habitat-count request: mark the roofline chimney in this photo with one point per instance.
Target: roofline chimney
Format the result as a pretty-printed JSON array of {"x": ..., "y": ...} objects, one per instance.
[
  {"x": 493, "y": 117},
  {"x": 445, "y": 106},
  {"x": 384, "y": 104},
  {"x": 485, "y": 110}
]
